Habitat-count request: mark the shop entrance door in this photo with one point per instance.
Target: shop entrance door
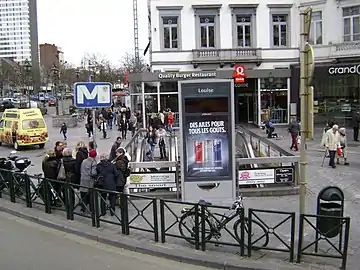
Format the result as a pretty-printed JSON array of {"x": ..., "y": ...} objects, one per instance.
[{"x": 245, "y": 108}]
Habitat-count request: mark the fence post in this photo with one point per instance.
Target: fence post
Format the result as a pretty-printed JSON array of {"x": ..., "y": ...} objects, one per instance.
[
  {"x": 12, "y": 188},
  {"x": 300, "y": 241},
  {"x": 197, "y": 229},
  {"x": 242, "y": 232},
  {"x": 94, "y": 207},
  {"x": 162, "y": 221},
  {"x": 122, "y": 209},
  {"x": 126, "y": 214},
  {"x": 27, "y": 191},
  {"x": 71, "y": 201},
  {"x": 177, "y": 181},
  {"x": 249, "y": 240},
  {"x": 47, "y": 196},
  {"x": 155, "y": 217},
  {"x": 67, "y": 200}
]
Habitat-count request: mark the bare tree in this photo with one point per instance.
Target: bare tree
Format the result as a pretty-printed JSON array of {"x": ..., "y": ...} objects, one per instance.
[
  {"x": 130, "y": 64},
  {"x": 45, "y": 75},
  {"x": 101, "y": 68}
]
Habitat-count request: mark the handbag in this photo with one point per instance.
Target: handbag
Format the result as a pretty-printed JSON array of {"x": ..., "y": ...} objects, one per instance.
[{"x": 61, "y": 174}]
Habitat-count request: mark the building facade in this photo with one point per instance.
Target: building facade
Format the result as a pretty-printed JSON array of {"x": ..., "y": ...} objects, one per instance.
[
  {"x": 50, "y": 55},
  {"x": 19, "y": 34},
  {"x": 263, "y": 37},
  {"x": 336, "y": 41}
]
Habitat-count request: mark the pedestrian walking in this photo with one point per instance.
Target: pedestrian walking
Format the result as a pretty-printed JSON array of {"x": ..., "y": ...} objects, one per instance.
[
  {"x": 343, "y": 144},
  {"x": 114, "y": 147},
  {"x": 160, "y": 134},
  {"x": 123, "y": 126},
  {"x": 331, "y": 144},
  {"x": 294, "y": 130},
  {"x": 63, "y": 130},
  {"x": 103, "y": 127},
  {"x": 356, "y": 123}
]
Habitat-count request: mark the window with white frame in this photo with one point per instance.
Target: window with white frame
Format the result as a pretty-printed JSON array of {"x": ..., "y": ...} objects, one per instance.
[
  {"x": 316, "y": 36},
  {"x": 207, "y": 31},
  {"x": 243, "y": 31},
  {"x": 351, "y": 20},
  {"x": 170, "y": 32},
  {"x": 280, "y": 30},
  {"x": 170, "y": 28}
]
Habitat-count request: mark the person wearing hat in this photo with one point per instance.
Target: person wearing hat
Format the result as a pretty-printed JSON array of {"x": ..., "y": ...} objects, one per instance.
[
  {"x": 87, "y": 177},
  {"x": 343, "y": 144},
  {"x": 331, "y": 143}
]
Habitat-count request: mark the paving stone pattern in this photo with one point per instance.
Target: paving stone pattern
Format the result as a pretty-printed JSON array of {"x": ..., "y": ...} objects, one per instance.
[{"x": 319, "y": 177}]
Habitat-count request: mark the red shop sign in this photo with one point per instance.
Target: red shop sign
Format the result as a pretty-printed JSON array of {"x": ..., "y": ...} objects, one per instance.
[{"x": 239, "y": 74}]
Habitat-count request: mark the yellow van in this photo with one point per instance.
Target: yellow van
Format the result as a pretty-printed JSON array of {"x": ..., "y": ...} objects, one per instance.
[{"x": 23, "y": 127}]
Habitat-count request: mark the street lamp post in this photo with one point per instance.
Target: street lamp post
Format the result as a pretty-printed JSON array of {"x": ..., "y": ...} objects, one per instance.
[
  {"x": 27, "y": 68},
  {"x": 56, "y": 78}
]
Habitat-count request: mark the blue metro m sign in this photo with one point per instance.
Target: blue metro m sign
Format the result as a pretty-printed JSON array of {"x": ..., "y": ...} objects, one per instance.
[{"x": 92, "y": 94}]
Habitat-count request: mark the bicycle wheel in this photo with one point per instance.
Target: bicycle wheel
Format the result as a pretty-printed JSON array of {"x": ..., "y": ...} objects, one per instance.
[
  {"x": 187, "y": 228},
  {"x": 259, "y": 233}
]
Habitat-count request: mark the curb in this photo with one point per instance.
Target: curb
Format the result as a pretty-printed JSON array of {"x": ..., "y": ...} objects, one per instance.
[{"x": 118, "y": 244}]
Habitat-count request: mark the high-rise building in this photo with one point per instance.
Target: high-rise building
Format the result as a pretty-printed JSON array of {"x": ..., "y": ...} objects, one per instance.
[{"x": 19, "y": 34}]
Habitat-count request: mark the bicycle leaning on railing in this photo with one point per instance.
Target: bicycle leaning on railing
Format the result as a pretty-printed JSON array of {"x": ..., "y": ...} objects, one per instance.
[{"x": 213, "y": 225}]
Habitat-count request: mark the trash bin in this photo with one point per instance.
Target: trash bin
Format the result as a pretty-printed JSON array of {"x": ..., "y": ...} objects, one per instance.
[
  {"x": 330, "y": 202},
  {"x": 329, "y": 227}
]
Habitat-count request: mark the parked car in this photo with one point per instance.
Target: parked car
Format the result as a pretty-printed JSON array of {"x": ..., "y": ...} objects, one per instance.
[
  {"x": 52, "y": 102},
  {"x": 6, "y": 104}
]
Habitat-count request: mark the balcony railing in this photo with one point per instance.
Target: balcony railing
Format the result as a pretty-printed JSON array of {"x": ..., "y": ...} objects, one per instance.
[
  {"x": 348, "y": 46},
  {"x": 226, "y": 55}
]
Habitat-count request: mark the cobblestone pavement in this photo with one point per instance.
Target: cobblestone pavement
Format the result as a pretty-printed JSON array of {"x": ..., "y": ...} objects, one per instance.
[{"x": 319, "y": 177}]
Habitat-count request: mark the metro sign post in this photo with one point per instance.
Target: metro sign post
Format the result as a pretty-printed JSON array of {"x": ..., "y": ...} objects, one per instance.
[
  {"x": 92, "y": 95},
  {"x": 239, "y": 74}
]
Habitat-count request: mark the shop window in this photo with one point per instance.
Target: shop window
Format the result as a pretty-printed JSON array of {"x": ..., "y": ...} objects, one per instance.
[
  {"x": 274, "y": 100},
  {"x": 169, "y": 87},
  {"x": 151, "y": 105},
  {"x": 169, "y": 102},
  {"x": 150, "y": 88}
]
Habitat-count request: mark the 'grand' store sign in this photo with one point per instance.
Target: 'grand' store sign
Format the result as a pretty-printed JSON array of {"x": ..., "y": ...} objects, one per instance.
[{"x": 355, "y": 69}]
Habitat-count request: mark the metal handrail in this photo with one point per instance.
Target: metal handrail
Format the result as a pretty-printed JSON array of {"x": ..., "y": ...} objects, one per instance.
[{"x": 266, "y": 141}]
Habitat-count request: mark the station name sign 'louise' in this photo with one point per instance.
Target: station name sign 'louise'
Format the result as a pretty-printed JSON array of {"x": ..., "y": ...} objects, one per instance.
[{"x": 186, "y": 75}]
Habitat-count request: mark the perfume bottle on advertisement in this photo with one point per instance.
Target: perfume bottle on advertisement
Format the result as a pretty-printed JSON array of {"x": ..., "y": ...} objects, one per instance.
[
  {"x": 208, "y": 151},
  {"x": 199, "y": 151},
  {"x": 217, "y": 151}
]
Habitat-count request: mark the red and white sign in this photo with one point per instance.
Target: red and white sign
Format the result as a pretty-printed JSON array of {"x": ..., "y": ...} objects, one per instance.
[{"x": 239, "y": 74}]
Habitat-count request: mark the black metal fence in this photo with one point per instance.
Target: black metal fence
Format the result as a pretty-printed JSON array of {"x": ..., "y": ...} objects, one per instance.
[{"x": 200, "y": 225}]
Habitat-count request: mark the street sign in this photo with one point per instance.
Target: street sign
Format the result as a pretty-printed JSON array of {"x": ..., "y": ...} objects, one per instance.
[
  {"x": 239, "y": 74},
  {"x": 92, "y": 94}
]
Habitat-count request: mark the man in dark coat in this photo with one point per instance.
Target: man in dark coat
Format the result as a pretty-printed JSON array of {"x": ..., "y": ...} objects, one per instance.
[
  {"x": 50, "y": 168},
  {"x": 355, "y": 123},
  {"x": 122, "y": 166},
  {"x": 109, "y": 174},
  {"x": 114, "y": 147},
  {"x": 81, "y": 155}
]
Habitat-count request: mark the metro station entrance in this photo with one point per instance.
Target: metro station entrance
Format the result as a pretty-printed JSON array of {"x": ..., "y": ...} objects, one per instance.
[
  {"x": 245, "y": 101},
  {"x": 245, "y": 108}
]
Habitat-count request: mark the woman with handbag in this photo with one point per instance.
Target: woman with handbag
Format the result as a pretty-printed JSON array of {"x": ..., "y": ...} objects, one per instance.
[{"x": 87, "y": 178}]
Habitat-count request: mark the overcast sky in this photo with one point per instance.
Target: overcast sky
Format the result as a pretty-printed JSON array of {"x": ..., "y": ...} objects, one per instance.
[{"x": 91, "y": 26}]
